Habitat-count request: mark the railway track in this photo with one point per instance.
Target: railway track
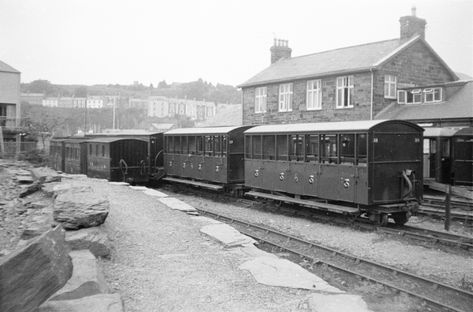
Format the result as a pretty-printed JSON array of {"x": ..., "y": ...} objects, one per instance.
[
  {"x": 432, "y": 293},
  {"x": 439, "y": 213},
  {"x": 457, "y": 242},
  {"x": 438, "y": 202}
]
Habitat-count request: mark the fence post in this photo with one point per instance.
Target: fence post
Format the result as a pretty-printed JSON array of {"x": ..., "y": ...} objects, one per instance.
[{"x": 447, "y": 207}]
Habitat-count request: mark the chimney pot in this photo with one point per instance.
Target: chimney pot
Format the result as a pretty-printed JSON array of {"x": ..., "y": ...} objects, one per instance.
[
  {"x": 411, "y": 25},
  {"x": 279, "y": 50}
]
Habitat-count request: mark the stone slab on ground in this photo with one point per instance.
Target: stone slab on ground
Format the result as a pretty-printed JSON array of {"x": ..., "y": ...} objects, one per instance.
[
  {"x": 45, "y": 174},
  {"x": 205, "y": 220},
  {"x": 227, "y": 235},
  {"x": 155, "y": 193},
  {"x": 86, "y": 279},
  {"x": 96, "y": 303},
  {"x": 336, "y": 303},
  {"x": 93, "y": 239},
  {"x": 76, "y": 210},
  {"x": 138, "y": 188},
  {"x": 30, "y": 275},
  {"x": 177, "y": 204},
  {"x": 284, "y": 273},
  {"x": 119, "y": 183}
]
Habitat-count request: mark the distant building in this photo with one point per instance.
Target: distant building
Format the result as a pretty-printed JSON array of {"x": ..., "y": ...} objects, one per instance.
[
  {"x": 138, "y": 103},
  {"x": 79, "y": 102},
  {"x": 51, "y": 102},
  {"x": 95, "y": 102},
  {"x": 32, "y": 98},
  {"x": 66, "y": 102},
  {"x": 160, "y": 106},
  {"x": 10, "y": 110}
]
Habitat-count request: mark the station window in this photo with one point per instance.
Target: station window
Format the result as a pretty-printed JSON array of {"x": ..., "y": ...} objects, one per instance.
[
  {"x": 344, "y": 96},
  {"x": 347, "y": 148},
  {"x": 295, "y": 148},
  {"x": 432, "y": 95},
  {"x": 248, "y": 146},
  {"x": 200, "y": 145},
  {"x": 312, "y": 147},
  {"x": 209, "y": 145},
  {"x": 361, "y": 149},
  {"x": 282, "y": 149},
  {"x": 269, "y": 147},
  {"x": 328, "y": 143},
  {"x": 192, "y": 145},
  {"x": 256, "y": 147}
]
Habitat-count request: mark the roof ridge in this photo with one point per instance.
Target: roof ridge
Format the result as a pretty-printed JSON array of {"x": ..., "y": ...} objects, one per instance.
[{"x": 353, "y": 46}]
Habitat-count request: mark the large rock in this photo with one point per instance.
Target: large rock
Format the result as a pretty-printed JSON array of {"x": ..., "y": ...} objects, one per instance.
[
  {"x": 96, "y": 303},
  {"x": 93, "y": 239},
  {"x": 86, "y": 280},
  {"x": 32, "y": 274},
  {"x": 76, "y": 209}
]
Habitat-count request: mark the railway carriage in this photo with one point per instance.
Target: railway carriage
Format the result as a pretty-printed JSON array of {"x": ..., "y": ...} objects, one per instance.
[
  {"x": 374, "y": 166},
  {"x": 56, "y": 154},
  {"x": 118, "y": 159},
  {"x": 208, "y": 157},
  {"x": 75, "y": 155},
  {"x": 448, "y": 155}
]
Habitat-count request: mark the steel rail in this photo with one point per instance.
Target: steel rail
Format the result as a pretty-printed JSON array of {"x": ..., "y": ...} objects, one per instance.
[{"x": 464, "y": 296}]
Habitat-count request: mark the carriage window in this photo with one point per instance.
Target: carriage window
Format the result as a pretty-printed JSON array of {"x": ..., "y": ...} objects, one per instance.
[
  {"x": 224, "y": 146},
  {"x": 426, "y": 146},
  {"x": 184, "y": 146},
  {"x": 311, "y": 147},
  {"x": 269, "y": 147},
  {"x": 248, "y": 147},
  {"x": 295, "y": 147},
  {"x": 328, "y": 143},
  {"x": 256, "y": 145},
  {"x": 178, "y": 145},
  {"x": 218, "y": 145},
  {"x": 192, "y": 145},
  {"x": 103, "y": 150},
  {"x": 90, "y": 149},
  {"x": 200, "y": 145},
  {"x": 209, "y": 145},
  {"x": 445, "y": 144},
  {"x": 96, "y": 150},
  {"x": 171, "y": 144},
  {"x": 347, "y": 148},
  {"x": 361, "y": 149},
  {"x": 281, "y": 143}
]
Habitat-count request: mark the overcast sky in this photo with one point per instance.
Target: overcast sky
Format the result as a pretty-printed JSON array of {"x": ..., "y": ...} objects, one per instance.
[{"x": 115, "y": 41}]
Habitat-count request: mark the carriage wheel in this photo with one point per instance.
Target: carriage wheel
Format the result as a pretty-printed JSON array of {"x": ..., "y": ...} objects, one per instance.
[{"x": 400, "y": 218}]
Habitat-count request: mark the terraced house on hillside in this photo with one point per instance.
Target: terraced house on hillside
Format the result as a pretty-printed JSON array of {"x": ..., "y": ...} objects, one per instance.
[
  {"x": 352, "y": 83},
  {"x": 9, "y": 110}
]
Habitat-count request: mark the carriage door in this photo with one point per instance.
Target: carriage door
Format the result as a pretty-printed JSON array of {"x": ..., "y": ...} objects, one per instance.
[
  {"x": 430, "y": 158},
  {"x": 445, "y": 161},
  {"x": 346, "y": 169}
]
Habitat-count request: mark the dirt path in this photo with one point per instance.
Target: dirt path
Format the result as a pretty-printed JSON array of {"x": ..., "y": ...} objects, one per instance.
[{"x": 162, "y": 263}]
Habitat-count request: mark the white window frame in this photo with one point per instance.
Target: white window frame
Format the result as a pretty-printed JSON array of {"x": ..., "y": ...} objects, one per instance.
[
  {"x": 285, "y": 97},
  {"x": 390, "y": 86},
  {"x": 260, "y": 100},
  {"x": 414, "y": 93},
  {"x": 346, "y": 84},
  {"x": 431, "y": 91},
  {"x": 314, "y": 95}
]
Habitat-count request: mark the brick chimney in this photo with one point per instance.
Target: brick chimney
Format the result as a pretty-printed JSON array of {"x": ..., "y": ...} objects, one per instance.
[
  {"x": 280, "y": 50},
  {"x": 411, "y": 26}
]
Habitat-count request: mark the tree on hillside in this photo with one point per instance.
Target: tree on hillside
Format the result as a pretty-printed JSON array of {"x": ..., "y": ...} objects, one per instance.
[
  {"x": 40, "y": 86},
  {"x": 163, "y": 85},
  {"x": 81, "y": 91}
]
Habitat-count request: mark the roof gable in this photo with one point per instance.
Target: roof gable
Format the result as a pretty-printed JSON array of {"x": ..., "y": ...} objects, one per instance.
[
  {"x": 4, "y": 67},
  {"x": 345, "y": 60}
]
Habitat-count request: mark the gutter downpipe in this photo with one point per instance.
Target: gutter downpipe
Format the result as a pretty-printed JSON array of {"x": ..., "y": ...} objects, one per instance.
[{"x": 372, "y": 93}]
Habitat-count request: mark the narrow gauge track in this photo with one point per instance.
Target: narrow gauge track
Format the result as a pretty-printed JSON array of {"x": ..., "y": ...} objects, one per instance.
[
  {"x": 425, "y": 235},
  {"x": 430, "y": 292},
  {"x": 439, "y": 213},
  {"x": 437, "y": 202},
  {"x": 458, "y": 241}
]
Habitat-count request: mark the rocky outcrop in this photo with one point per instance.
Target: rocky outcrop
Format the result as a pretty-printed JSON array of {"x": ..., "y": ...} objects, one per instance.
[
  {"x": 30, "y": 275},
  {"x": 86, "y": 280},
  {"x": 93, "y": 239},
  {"x": 96, "y": 303},
  {"x": 76, "y": 209}
]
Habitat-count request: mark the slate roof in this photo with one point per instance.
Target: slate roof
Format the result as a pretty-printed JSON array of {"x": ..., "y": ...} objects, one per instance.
[
  {"x": 459, "y": 105},
  {"x": 345, "y": 60},
  {"x": 4, "y": 67}
]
